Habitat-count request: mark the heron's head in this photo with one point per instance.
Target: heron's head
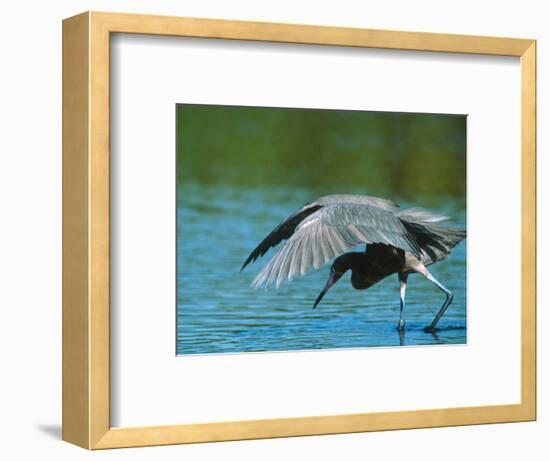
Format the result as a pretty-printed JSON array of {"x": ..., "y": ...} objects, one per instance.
[{"x": 340, "y": 266}]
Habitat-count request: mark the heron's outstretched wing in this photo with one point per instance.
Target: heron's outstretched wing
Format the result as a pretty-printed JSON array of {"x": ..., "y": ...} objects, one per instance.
[
  {"x": 330, "y": 232},
  {"x": 285, "y": 229}
]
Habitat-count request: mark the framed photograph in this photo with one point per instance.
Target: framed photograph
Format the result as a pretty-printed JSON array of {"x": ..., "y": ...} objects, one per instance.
[{"x": 276, "y": 230}]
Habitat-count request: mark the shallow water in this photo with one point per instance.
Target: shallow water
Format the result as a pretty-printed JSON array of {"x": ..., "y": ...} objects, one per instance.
[{"x": 218, "y": 312}]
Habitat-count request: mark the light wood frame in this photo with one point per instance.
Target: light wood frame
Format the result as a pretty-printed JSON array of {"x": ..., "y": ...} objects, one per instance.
[{"x": 86, "y": 234}]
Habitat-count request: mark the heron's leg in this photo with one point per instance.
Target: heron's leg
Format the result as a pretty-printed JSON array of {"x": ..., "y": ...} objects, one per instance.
[
  {"x": 402, "y": 288},
  {"x": 448, "y": 300},
  {"x": 401, "y": 337}
]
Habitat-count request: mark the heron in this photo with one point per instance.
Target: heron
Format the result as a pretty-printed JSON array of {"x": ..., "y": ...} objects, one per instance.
[{"x": 397, "y": 241}]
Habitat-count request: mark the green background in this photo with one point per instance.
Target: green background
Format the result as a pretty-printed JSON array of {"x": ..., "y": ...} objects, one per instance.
[{"x": 394, "y": 155}]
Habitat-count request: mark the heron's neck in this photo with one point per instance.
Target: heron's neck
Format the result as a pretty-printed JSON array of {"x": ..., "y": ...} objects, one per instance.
[{"x": 353, "y": 261}]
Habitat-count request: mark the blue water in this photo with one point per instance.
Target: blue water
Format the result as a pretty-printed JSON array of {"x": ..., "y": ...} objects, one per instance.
[{"x": 218, "y": 311}]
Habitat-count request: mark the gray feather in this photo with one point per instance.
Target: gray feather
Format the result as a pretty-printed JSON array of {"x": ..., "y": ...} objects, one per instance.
[{"x": 331, "y": 231}]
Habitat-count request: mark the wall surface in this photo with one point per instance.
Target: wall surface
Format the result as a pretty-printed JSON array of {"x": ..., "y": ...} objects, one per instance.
[{"x": 30, "y": 243}]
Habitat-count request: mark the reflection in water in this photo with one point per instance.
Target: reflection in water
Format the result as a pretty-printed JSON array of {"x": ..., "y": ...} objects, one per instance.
[{"x": 217, "y": 311}]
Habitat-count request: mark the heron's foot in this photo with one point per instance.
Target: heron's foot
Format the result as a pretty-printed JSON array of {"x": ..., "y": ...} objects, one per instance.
[
  {"x": 430, "y": 329},
  {"x": 400, "y": 327}
]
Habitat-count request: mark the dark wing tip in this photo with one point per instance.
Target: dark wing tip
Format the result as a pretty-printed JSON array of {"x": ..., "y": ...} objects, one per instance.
[
  {"x": 282, "y": 232},
  {"x": 259, "y": 251},
  {"x": 248, "y": 261}
]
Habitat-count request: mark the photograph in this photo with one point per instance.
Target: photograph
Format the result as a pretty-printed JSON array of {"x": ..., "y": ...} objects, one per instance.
[
  {"x": 250, "y": 230},
  {"x": 304, "y": 229}
]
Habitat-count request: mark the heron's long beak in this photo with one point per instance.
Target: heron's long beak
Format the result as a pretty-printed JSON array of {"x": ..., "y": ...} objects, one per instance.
[{"x": 332, "y": 279}]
